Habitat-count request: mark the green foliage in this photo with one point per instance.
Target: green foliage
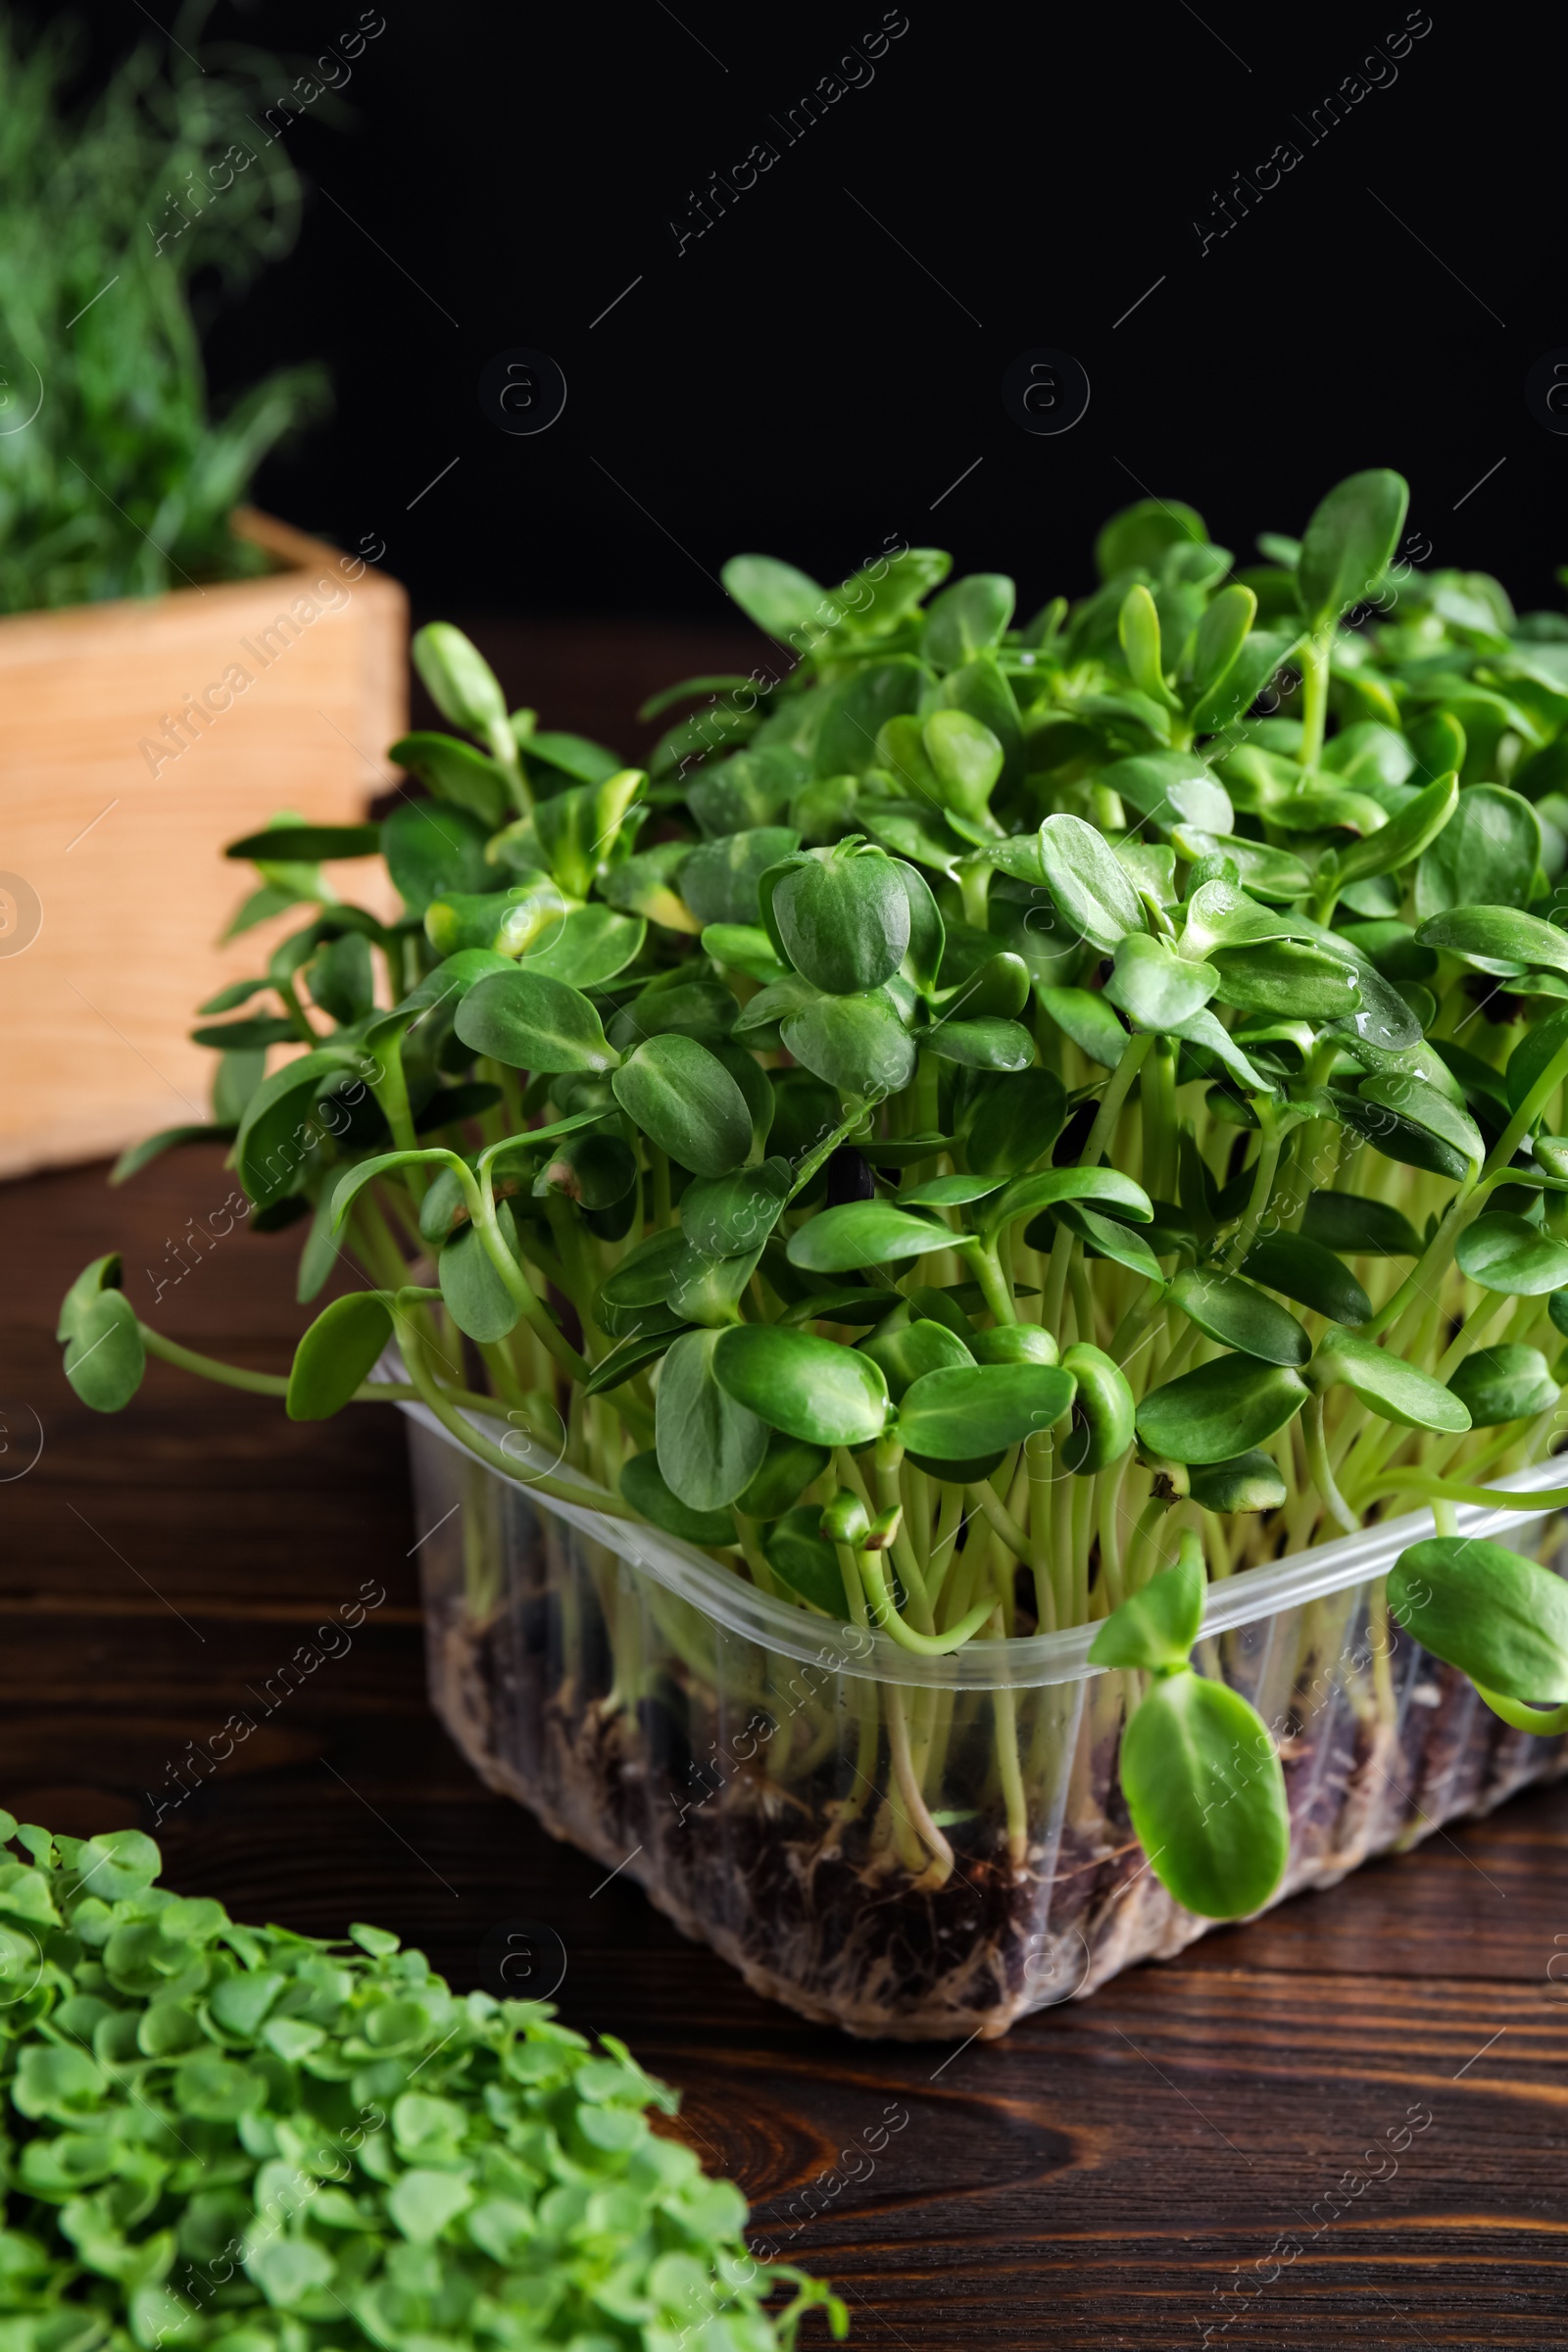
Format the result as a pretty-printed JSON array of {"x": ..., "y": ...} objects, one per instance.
[
  {"x": 1499, "y": 1617},
  {"x": 1037, "y": 1079},
  {"x": 1199, "y": 1770},
  {"x": 114, "y": 480},
  {"x": 242, "y": 2137}
]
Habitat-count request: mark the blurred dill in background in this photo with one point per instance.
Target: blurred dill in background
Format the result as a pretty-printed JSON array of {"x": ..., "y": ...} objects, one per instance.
[{"x": 130, "y": 211}]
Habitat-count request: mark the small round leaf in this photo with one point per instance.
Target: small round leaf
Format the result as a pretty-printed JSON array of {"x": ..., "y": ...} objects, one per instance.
[
  {"x": 809, "y": 1387},
  {"x": 1507, "y": 1254},
  {"x": 969, "y": 1409},
  {"x": 337, "y": 1353},
  {"x": 1240, "y": 1316},
  {"x": 531, "y": 1022},
  {"x": 866, "y": 1233},
  {"x": 685, "y": 1101},
  {"x": 1223, "y": 1408},
  {"x": 1497, "y": 1616},
  {"x": 1204, "y": 1787}
]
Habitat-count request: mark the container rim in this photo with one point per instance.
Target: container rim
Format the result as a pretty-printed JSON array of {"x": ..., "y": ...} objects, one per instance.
[{"x": 1034, "y": 1662}]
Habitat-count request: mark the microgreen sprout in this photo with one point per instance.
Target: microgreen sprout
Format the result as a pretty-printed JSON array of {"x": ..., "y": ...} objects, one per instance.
[{"x": 1009, "y": 1108}]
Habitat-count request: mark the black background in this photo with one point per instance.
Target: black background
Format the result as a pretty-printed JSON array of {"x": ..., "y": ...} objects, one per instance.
[{"x": 810, "y": 380}]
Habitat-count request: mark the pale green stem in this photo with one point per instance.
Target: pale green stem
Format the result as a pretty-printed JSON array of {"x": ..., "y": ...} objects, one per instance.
[
  {"x": 1315, "y": 693},
  {"x": 889, "y": 1454},
  {"x": 451, "y": 1420},
  {"x": 908, "y": 1784},
  {"x": 984, "y": 1497},
  {"x": 523, "y": 1296},
  {"x": 1317, "y": 1456},
  {"x": 1099, "y": 1139},
  {"x": 884, "y": 1614},
  {"x": 1263, "y": 1174}
]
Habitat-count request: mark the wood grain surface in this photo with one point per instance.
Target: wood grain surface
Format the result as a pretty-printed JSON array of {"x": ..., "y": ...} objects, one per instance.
[{"x": 1344, "y": 2126}]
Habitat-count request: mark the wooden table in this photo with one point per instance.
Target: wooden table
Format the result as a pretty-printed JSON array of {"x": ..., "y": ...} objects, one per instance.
[{"x": 1096, "y": 2180}]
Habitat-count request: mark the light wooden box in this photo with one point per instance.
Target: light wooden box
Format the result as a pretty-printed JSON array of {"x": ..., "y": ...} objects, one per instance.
[{"x": 113, "y": 884}]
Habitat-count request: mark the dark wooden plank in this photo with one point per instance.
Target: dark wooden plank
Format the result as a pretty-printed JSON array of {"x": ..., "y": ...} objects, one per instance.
[{"x": 1098, "y": 2179}]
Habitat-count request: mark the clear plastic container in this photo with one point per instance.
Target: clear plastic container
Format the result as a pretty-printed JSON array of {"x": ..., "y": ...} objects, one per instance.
[{"x": 909, "y": 1847}]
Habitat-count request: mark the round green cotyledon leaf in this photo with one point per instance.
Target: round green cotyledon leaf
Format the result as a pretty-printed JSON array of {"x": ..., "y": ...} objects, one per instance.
[
  {"x": 1361, "y": 1228},
  {"x": 1104, "y": 1411},
  {"x": 633, "y": 1354},
  {"x": 281, "y": 1132},
  {"x": 844, "y": 918},
  {"x": 1017, "y": 1122},
  {"x": 588, "y": 947},
  {"x": 866, "y": 1233},
  {"x": 907, "y": 1351},
  {"x": 779, "y": 599},
  {"x": 1102, "y": 1237},
  {"x": 857, "y": 1044},
  {"x": 789, "y": 1467},
  {"x": 1398, "y": 1391},
  {"x": 709, "y": 1446},
  {"x": 998, "y": 991},
  {"x": 455, "y": 771},
  {"x": 1219, "y": 638},
  {"x": 800, "y": 1557},
  {"x": 531, "y": 1022},
  {"x": 968, "y": 618},
  {"x": 431, "y": 851},
  {"x": 1507, "y": 1254},
  {"x": 1240, "y": 1316},
  {"x": 1409, "y": 1121},
  {"x": 644, "y": 1486},
  {"x": 1172, "y": 788},
  {"x": 1204, "y": 1787},
  {"x": 1311, "y": 1274},
  {"x": 1250, "y": 1482},
  {"x": 1138, "y": 536},
  {"x": 338, "y": 1352},
  {"x": 981, "y": 1045},
  {"x": 476, "y": 1297},
  {"x": 1083, "y": 1014},
  {"x": 1007, "y": 1344},
  {"x": 105, "y": 1357},
  {"x": 1138, "y": 633},
  {"x": 1350, "y": 542},
  {"x": 963, "y": 1410},
  {"x": 718, "y": 880},
  {"x": 458, "y": 678},
  {"x": 1087, "y": 881},
  {"x": 1102, "y": 1187},
  {"x": 685, "y": 1101},
  {"x": 439, "y": 992},
  {"x": 809, "y": 1387},
  {"x": 1155, "y": 986},
  {"x": 530, "y": 914},
  {"x": 1288, "y": 978},
  {"x": 1222, "y": 1409},
  {"x": 1486, "y": 854},
  {"x": 724, "y": 1216},
  {"x": 1497, "y": 1616},
  {"x": 1155, "y": 1629},
  {"x": 1497, "y": 939},
  {"x": 966, "y": 760},
  {"x": 948, "y": 1192},
  {"x": 1502, "y": 1384}
]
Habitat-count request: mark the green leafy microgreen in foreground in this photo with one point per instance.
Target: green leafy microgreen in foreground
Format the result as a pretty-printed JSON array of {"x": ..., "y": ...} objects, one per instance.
[
  {"x": 1199, "y": 1770},
  {"x": 1009, "y": 1096},
  {"x": 249, "y": 2138}
]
